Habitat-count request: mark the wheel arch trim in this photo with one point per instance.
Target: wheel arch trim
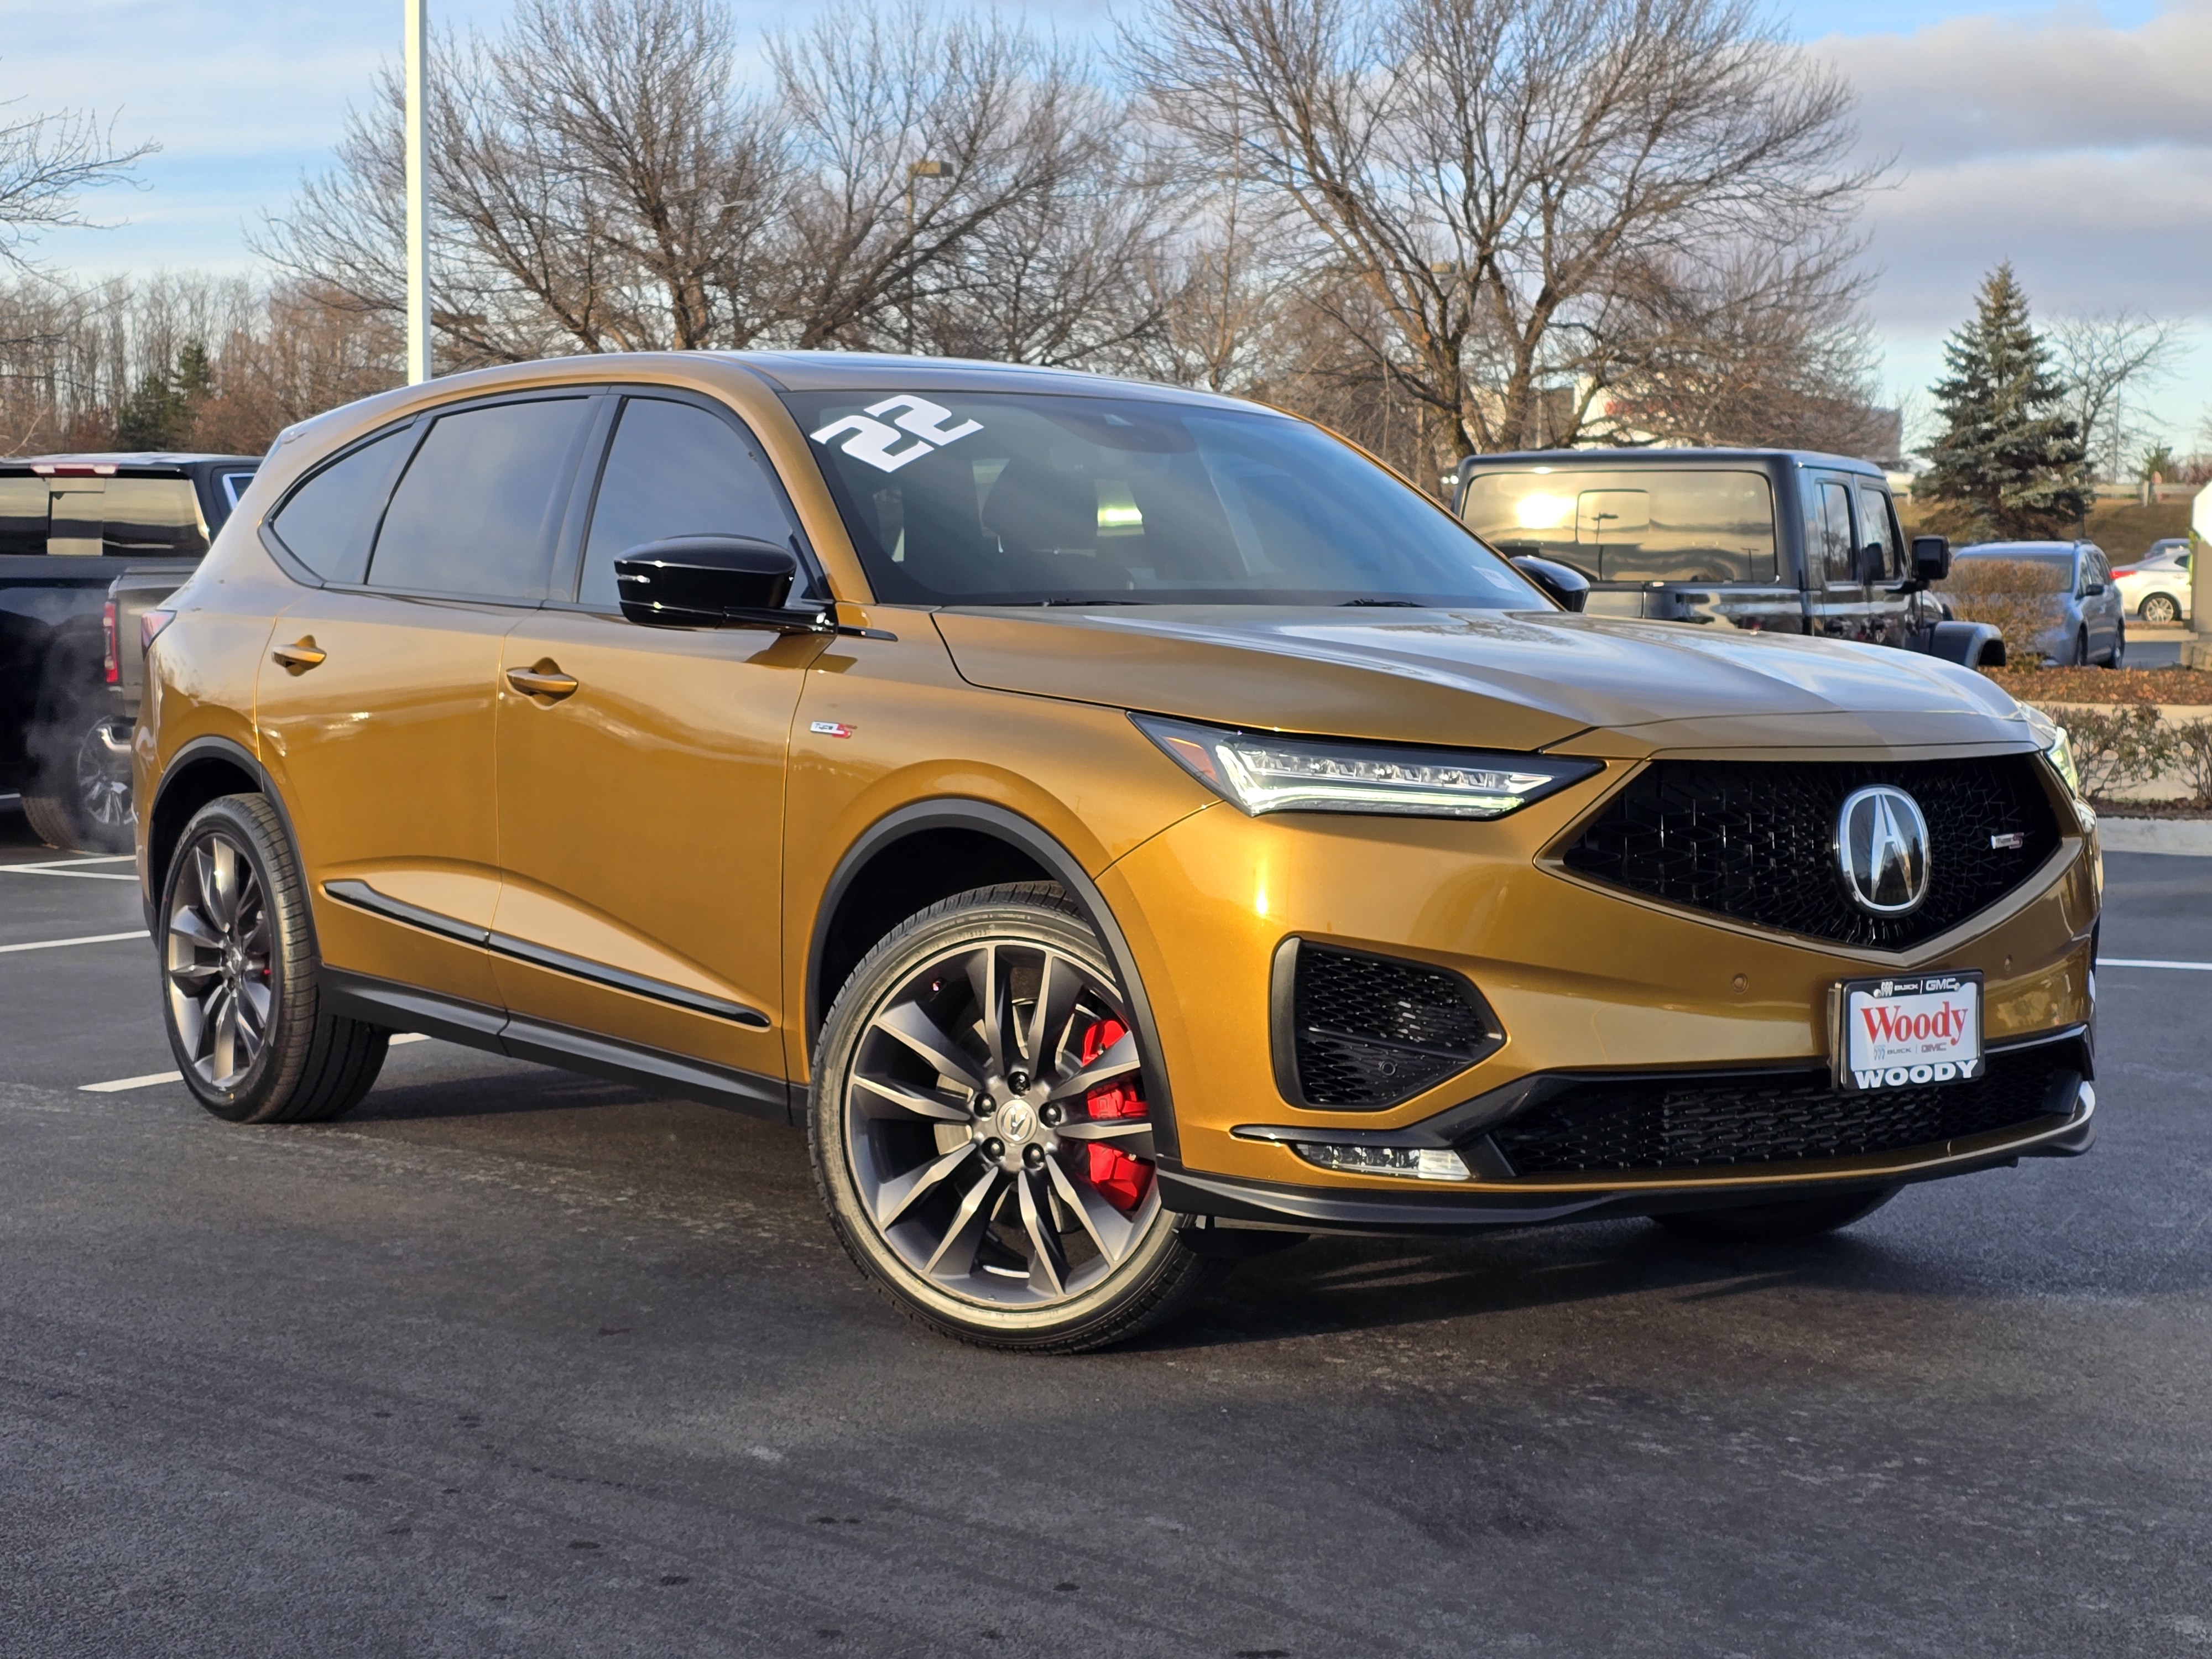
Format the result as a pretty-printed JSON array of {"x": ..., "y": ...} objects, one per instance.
[
  {"x": 187, "y": 759},
  {"x": 1025, "y": 836}
]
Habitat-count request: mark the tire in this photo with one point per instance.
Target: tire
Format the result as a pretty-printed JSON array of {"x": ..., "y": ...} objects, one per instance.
[
  {"x": 2160, "y": 608},
  {"x": 1780, "y": 1223},
  {"x": 80, "y": 799},
  {"x": 2081, "y": 657},
  {"x": 2117, "y": 657},
  {"x": 1007, "y": 1202},
  {"x": 239, "y": 977}
]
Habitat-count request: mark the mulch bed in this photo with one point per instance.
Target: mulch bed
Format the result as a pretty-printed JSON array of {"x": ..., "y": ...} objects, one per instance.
[
  {"x": 2167, "y": 685},
  {"x": 2148, "y": 809}
]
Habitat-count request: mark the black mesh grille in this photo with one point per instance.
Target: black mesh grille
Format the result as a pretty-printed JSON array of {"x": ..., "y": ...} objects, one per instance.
[
  {"x": 1755, "y": 839},
  {"x": 1647, "y": 1123},
  {"x": 1370, "y": 1031}
]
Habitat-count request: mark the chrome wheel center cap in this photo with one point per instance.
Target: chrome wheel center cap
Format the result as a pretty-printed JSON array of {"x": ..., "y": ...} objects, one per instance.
[{"x": 1018, "y": 1121}]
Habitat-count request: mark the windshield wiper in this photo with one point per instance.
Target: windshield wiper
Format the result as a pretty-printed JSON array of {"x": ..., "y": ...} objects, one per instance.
[
  {"x": 1043, "y": 602},
  {"x": 1402, "y": 604}
]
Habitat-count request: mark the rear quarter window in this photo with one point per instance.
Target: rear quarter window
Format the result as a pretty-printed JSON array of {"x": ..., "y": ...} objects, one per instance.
[
  {"x": 1631, "y": 524},
  {"x": 326, "y": 522}
]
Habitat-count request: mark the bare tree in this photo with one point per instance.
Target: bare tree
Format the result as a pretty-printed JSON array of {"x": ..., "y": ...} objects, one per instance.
[
  {"x": 2101, "y": 358},
  {"x": 600, "y": 182},
  {"x": 47, "y": 162},
  {"x": 1507, "y": 178},
  {"x": 1018, "y": 139}
]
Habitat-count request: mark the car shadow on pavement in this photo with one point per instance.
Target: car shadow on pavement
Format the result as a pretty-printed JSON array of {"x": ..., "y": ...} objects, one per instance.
[
  {"x": 1347, "y": 1285},
  {"x": 492, "y": 1094}
]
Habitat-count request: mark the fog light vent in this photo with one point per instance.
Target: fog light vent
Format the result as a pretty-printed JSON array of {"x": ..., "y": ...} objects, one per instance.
[
  {"x": 1358, "y": 1031},
  {"x": 1418, "y": 1163}
]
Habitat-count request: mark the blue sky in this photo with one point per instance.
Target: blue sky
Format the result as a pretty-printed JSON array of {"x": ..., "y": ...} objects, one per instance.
[{"x": 2075, "y": 140}]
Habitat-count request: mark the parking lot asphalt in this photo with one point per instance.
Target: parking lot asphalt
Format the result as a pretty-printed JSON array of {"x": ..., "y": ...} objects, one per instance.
[{"x": 512, "y": 1362}]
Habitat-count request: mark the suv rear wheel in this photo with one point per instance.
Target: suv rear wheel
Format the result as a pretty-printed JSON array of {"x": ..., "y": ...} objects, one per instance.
[
  {"x": 239, "y": 973},
  {"x": 981, "y": 1133}
]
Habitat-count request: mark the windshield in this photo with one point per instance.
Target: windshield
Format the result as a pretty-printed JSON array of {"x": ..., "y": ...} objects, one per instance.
[{"x": 997, "y": 498}]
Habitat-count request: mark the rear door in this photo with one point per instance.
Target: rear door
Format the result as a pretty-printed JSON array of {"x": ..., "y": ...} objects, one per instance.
[{"x": 376, "y": 707}]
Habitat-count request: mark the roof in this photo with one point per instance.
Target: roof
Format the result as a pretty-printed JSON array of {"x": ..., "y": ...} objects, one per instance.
[
  {"x": 838, "y": 371},
  {"x": 1667, "y": 458}
]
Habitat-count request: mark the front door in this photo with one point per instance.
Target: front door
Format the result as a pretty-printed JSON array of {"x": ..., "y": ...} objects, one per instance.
[
  {"x": 641, "y": 772},
  {"x": 377, "y": 704}
]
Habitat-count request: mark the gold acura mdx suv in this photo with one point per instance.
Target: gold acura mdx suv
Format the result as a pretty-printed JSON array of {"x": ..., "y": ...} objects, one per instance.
[{"x": 1128, "y": 827}]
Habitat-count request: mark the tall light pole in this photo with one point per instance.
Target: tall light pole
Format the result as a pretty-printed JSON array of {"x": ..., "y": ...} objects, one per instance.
[
  {"x": 418, "y": 217},
  {"x": 917, "y": 170}
]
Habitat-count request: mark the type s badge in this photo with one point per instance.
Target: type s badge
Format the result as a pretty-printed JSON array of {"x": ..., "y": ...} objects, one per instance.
[{"x": 1908, "y": 1033}]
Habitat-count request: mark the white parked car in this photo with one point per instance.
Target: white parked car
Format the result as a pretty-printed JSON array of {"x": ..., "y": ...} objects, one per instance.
[{"x": 2155, "y": 587}]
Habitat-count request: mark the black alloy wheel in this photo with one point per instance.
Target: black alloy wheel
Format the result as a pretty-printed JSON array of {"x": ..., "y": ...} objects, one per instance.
[
  {"x": 240, "y": 977},
  {"x": 981, "y": 1131},
  {"x": 81, "y": 799}
]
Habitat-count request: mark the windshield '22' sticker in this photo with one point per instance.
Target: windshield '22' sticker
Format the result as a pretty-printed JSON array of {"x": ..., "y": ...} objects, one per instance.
[{"x": 918, "y": 429}]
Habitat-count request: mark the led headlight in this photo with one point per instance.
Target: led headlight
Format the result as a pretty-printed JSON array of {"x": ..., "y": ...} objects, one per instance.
[
  {"x": 1262, "y": 772},
  {"x": 2057, "y": 747}
]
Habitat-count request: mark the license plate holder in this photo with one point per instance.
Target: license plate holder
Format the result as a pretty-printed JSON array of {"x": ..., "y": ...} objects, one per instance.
[{"x": 1908, "y": 1030}]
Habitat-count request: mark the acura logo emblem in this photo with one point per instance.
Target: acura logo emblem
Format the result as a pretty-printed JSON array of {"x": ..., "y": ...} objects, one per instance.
[{"x": 1882, "y": 847}]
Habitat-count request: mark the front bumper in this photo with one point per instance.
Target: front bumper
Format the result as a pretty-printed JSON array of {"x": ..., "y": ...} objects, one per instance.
[
  {"x": 1586, "y": 981},
  {"x": 2062, "y": 1127}
]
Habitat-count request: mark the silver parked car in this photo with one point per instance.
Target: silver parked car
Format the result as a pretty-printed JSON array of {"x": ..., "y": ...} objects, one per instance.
[
  {"x": 2156, "y": 587},
  {"x": 2089, "y": 618}
]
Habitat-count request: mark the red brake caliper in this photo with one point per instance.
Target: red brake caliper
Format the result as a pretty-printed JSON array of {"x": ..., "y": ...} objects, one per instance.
[{"x": 1124, "y": 1179}]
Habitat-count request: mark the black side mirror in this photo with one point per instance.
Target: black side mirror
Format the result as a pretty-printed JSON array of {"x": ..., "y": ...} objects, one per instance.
[
  {"x": 1562, "y": 583},
  {"x": 1931, "y": 558},
  {"x": 712, "y": 581}
]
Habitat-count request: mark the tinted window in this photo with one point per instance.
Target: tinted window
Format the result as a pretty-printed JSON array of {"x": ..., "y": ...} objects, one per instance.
[
  {"x": 1631, "y": 524},
  {"x": 328, "y": 522},
  {"x": 475, "y": 511},
  {"x": 1829, "y": 530},
  {"x": 22, "y": 516},
  {"x": 152, "y": 518},
  {"x": 1024, "y": 499},
  {"x": 675, "y": 470},
  {"x": 233, "y": 486},
  {"x": 1876, "y": 530}
]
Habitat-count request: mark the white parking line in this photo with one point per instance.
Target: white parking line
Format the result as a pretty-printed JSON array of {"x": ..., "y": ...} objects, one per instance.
[
  {"x": 57, "y": 944},
  {"x": 117, "y": 1085},
  {"x": 122, "y": 1082},
  {"x": 80, "y": 875},
  {"x": 2137, "y": 961}
]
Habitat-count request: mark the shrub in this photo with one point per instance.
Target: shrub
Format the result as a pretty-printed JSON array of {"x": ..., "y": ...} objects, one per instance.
[
  {"x": 2020, "y": 597},
  {"x": 2118, "y": 747},
  {"x": 2193, "y": 749}
]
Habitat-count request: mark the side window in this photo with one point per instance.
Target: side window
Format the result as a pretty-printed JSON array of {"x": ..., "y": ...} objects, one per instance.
[
  {"x": 1831, "y": 531},
  {"x": 326, "y": 523},
  {"x": 676, "y": 470},
  {"x": 475, "y": 511},
  {"x": 1877, "y": 531}
]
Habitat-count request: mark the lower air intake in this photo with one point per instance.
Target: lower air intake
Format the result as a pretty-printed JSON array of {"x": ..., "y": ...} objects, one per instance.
[{"x": 1360, "y": 1032}]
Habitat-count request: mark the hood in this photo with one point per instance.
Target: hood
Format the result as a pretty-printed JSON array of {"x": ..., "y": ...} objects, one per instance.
[{"x": 1489, "y": 679}]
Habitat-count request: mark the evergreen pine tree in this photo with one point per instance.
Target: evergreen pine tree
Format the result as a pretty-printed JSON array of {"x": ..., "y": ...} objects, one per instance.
[
  {"x": 2010, "y": 456},
  {"x": 159, "y": 414}
]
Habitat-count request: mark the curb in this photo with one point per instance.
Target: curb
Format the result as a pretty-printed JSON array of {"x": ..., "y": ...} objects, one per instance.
[{"x": 2191, "y": 838}]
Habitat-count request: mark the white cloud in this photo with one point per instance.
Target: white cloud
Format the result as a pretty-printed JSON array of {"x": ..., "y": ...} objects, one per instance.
[{"x": 2079, "y": 150}]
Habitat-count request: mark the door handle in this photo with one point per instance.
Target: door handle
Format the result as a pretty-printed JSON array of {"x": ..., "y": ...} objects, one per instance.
[
  {"x": 300, "y": 655},
  {"x": 544, "y": 679}
]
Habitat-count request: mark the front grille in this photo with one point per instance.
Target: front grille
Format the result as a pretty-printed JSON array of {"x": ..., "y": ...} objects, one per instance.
[
  {"x": 1755, "y": 839},
  {"x": 1370, "y": 1031},
  {"x": 1650, "y": 1123}
]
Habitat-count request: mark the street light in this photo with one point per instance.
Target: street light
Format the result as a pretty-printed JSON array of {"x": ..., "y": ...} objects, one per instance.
[
  {"x": 916, "y": 170},
  {"x": 419, "y": 218}
]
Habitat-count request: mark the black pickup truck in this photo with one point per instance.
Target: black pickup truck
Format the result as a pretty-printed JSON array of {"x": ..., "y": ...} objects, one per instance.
[
  {"x": 1783, "y": 540},
  {"x": 70, "y": 524}
]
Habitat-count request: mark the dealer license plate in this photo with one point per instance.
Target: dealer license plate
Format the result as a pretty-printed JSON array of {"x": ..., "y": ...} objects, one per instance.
[{"x": 1908, "y": 1033}]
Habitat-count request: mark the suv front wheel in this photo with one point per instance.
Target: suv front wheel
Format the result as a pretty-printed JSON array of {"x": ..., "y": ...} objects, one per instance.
[{"x": 982, "y": 1134}]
